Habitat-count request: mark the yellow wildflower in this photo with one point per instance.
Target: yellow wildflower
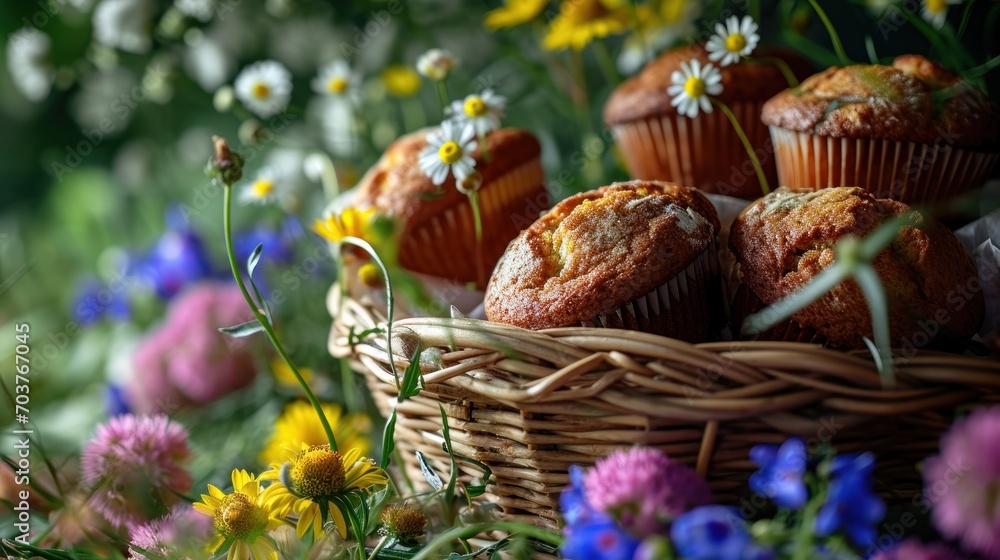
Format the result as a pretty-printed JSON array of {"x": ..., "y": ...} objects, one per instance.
[
  {"x": 401, "y": 81},
  {"x": 299, "y": 424},
  {"x": 580, "y": 22},
  {"x": 241, "y": 519},
  {"x": 350, "y": 223},
  {"x": 514, "y": 13}
]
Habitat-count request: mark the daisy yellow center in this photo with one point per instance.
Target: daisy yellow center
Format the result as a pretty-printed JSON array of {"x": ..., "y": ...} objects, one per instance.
[
  {"x": 318, "y": 472},
  {"x": 450, "y": 152},
  {"x": 694, "y": 87},
  {"x": 736, "y": 42},
  {"x": 337, "y": 85},
  {"x": 238, "y": 517},
  {"x": 261, "y": 90},
  {"x": 262, "y": 188},
  {"x": 475, "y": 107},
  {"x": 937, "y": 6}
]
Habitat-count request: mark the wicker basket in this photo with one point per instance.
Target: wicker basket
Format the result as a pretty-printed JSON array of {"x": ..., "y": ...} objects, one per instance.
[{"x": 529, "y": 404}]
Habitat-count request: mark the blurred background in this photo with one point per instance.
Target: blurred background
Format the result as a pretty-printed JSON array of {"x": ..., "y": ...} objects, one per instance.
[{"x": 107, "y": 108}]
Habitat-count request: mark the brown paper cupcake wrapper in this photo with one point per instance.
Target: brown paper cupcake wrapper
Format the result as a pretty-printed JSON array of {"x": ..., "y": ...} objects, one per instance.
[
  {"x": 906, "y": 171},
  {"x": 704, "y": 152},
  {"x": 686, "y": 307},
  {"x": 746, "y": 303},
  {"x": 446, "y": 245}
]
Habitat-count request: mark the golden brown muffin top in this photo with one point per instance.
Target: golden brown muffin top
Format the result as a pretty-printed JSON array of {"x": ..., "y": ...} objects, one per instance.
[
  {"x": 397, "y": 186},
  {"x": 785, "y": 239},
  {"x": 645, "y": 94},
  {"x": 597, "y": 250},
  {"x": 914, "y": 100}
]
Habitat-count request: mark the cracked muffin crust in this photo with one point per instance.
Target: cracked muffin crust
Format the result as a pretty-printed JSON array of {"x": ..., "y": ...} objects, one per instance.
[
  {"x": 787, "y": 238},
  {"x": 596, "y": 251}
]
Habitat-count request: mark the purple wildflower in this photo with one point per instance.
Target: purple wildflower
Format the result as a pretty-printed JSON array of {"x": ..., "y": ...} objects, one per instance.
[
  {"x": 134, "y": 468},
  {"x": 644, "y": 489}
]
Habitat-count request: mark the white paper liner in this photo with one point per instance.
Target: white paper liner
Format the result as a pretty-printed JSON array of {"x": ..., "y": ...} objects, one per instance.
[
  {"x": 906, "y": 171},
  {"x": 685, "y": 307},
  {"x": 704, "y": 152},
  {"x": 446, "y": 245}
]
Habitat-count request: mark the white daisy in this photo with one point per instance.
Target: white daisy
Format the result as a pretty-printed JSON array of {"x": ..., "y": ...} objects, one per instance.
[
  {"x": 483, "y": 112},
  {"x": 201, "y": 10},
  {"x": 265, "y": 88},
  {"x": 264, "y": 189},
  {"x": 124, "y": 24},
  {"x": 692, "y": 85},
  {"x": 334, "y": 79},
  {"x": 733, "y": 41},
  {"x": 449, "y": 149},
  {"x": 936, "y": 11},
  {"x": 436, "y": 64},
  {"x": 27, "y": 60}
]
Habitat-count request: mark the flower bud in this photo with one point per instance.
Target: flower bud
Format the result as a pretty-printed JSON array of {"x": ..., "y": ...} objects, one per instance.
[{"x": 225, "y": 166}]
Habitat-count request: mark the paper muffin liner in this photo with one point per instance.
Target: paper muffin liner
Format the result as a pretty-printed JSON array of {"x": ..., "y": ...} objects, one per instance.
[
  {"x": 686, "y": 307},
  {"x": 446, "y": 245},
  {"x": 906, "y": 171},
  {"x": 746, "y": 303},
  {"x": 704, "y": 152}
]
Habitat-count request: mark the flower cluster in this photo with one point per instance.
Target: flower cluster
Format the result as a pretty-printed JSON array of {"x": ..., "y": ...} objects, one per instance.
[{"x": 635, "y": 502}]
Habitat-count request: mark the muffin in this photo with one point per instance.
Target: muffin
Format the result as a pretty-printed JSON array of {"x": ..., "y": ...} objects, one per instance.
[
  {"x": 787, "y": 238},
  {"x": 438, "y": 230},
  {"x": 913, "y": 131},
  {"x": 639, "y": 255},
  {"x": 705, "y": 152}
]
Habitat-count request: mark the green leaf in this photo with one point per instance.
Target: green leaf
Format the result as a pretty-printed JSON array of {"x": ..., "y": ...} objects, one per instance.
[
  {"x": 489, "y": 551},
  {"x": 252, "y": 261},
  {"x": 388, "y": 440},
  {"x": 243, "y": 329},
  {"x": 446, "y": 433},
  {"x": 412, "y": 379},
  {"x": 475, "y": 490},
  {"x": 430, "y": 475}
]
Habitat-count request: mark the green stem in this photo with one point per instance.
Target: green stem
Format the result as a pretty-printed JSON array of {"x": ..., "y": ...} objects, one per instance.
[
  {"x": 781, "y": 310},
  {"x": 484, "y": 148},
  {"x": 263, "y": 320},
  {"x": 477, "y": 220},
  {"x": 984, "y": 68},
  {"x": 607, "y": 65},
  {"x": 378, "y": 548},
  {"x": 647, "y": 49},
  {"x": 390, "y": 300},
  {"x": 442, "y": 91},
  {"x": 783, "y": 66},
  {"x": 764, "y": 187},
  {"x": 468, "y": 531},
  {"x": 834, "y": 38}
]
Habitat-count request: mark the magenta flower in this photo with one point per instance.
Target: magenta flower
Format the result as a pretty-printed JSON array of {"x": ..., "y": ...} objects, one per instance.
[
  {"x": 962, "y": 483},
  {"x": 644, "y": 489},
  {"x": 182, "y": 530},
  {"x": 913, "y": 549},
  {"x": 188, "y": 362},
  {"x": 135, "y": 467}
]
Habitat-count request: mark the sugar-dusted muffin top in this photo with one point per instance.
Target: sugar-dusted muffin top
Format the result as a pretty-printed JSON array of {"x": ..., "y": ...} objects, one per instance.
[
  {"x": 645, "y": 94},
  {"x": 914, "y": 100},
  {"x": 785, "y": 239},
  {"x": 397, "y": 186},
  {"x": 598, "y": 250}
]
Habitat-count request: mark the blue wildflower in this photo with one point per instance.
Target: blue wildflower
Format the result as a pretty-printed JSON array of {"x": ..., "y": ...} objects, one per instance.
[
  {"x": 851, "y": 506},
  {"x": 591, "y": 534},
  {"x": 94, "y": 300},
  {"x": 278, "y": 247},
  {"x": 177, "y": 259},
  {"x": 114, "y": 399},
  {"x": 781, "y": 472},
  {"x": 715, "y": 533}
]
